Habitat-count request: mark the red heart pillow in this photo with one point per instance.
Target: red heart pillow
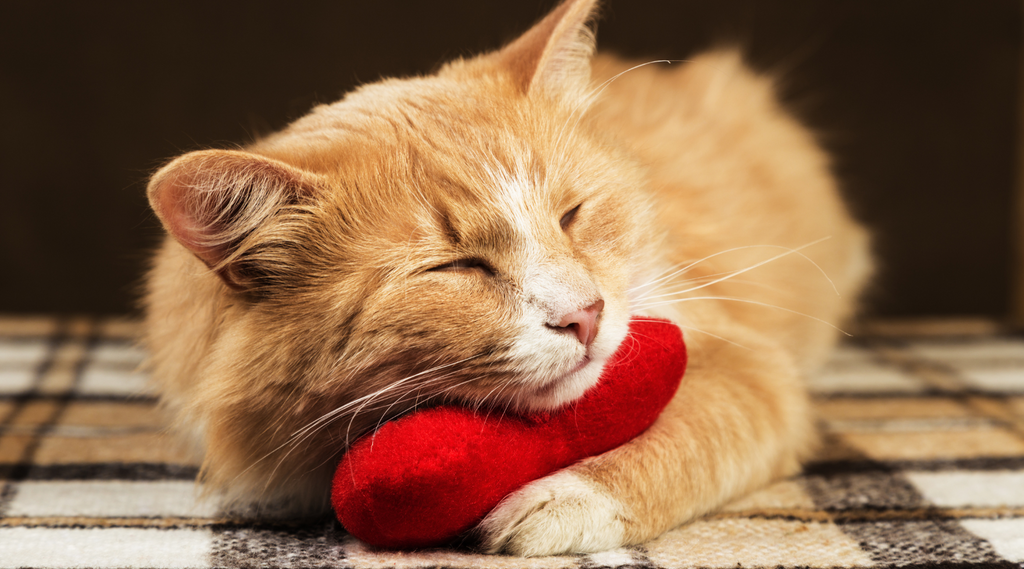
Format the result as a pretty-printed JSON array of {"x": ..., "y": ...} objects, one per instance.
[{"x": 428, "y": 477}]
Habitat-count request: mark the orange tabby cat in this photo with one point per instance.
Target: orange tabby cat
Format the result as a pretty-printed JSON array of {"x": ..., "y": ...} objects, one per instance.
[{"x": 483, "y": 235}]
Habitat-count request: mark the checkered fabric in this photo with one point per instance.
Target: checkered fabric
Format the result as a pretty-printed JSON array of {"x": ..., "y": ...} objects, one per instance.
[{"x": 923, "y": 467}]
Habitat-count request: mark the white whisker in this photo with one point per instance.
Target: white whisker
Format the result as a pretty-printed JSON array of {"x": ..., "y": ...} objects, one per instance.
[
  {"x": 311, "y": 428},
  {"x": 729, "y": 276},
  {"x": 788, "y": 250},
  {"x": 689, "y": 282},
  {"x": 584, "y": 105},
  {"x": 765, "y": 304}
]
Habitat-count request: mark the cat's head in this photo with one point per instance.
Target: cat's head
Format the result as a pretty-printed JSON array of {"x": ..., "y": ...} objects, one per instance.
[{"x": 465, "y": 235}]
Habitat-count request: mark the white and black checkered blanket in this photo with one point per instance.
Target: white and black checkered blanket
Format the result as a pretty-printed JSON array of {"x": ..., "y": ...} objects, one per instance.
[{"x": 923, "y": 467}]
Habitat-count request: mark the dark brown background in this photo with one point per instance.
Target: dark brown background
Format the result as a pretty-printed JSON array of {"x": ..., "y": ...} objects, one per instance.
[{"x": 917, "y": 100}]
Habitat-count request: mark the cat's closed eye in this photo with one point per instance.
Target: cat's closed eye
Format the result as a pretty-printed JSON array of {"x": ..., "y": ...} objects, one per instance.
[
  {"x": 568, "y": 218},
  {"x": 468, "y": 265}
]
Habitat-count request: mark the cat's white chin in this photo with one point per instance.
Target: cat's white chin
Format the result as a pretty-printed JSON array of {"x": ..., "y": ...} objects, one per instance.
[
  {"x": 575, "y": 370},
  {"x": 565, "y": 389}
]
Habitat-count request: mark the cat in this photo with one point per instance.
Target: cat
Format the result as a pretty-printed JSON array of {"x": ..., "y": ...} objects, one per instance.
[{"x": 483, "y": 235}]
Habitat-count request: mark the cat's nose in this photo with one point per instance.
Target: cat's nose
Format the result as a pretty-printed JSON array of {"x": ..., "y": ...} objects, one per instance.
[{"x": 582, "y": 323}]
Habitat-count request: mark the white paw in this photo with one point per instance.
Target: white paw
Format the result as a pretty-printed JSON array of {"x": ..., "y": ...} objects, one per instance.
[{"x": 562, "y": 513}]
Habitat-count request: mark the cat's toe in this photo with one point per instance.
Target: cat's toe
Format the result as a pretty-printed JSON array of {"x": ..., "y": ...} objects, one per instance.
[{"x": 562, "y": 513}]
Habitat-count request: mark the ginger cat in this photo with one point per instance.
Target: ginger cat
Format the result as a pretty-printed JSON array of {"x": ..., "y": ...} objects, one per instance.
[{"x": 483, "y": 235}]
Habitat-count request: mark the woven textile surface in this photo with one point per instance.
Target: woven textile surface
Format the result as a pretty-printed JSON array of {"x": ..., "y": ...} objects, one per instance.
[{"x": 923, "y": 466}]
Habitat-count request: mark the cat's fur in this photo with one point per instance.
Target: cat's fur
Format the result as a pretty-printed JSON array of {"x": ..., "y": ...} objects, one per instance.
[{"x": 420, "y": 240}]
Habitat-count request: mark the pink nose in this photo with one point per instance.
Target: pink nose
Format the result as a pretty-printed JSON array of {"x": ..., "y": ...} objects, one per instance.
[{"x": 582, "y": 323}]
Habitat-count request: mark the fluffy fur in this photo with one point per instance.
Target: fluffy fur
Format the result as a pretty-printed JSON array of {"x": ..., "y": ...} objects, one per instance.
[{"x": 444, "y": 238}]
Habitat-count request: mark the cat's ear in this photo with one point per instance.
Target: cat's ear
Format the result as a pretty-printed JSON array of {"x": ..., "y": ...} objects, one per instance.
[
  {"x": 210, "y": 201},
  {"x": 553, "y": 57}
]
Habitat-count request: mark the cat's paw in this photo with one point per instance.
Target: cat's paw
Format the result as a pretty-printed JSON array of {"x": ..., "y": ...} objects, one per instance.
[{"x": 562, "y": 513}]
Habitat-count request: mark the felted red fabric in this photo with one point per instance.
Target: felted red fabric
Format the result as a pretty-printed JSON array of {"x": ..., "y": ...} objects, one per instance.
[{"x": 428, "y": 477}]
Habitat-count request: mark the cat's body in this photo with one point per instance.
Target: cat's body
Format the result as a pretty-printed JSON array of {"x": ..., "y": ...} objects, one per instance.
[{"x": 483, "y": 235}]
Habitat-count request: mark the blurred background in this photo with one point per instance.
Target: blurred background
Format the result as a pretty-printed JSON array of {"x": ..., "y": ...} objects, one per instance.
[{"x": 917, "y": 100}]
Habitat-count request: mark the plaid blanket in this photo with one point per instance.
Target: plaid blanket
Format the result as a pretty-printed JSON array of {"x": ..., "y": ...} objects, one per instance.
[{"x": 923, "y": 467}]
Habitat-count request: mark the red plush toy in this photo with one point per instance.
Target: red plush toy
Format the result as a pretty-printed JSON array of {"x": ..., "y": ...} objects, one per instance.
[{"x": 427, "y": 477}]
